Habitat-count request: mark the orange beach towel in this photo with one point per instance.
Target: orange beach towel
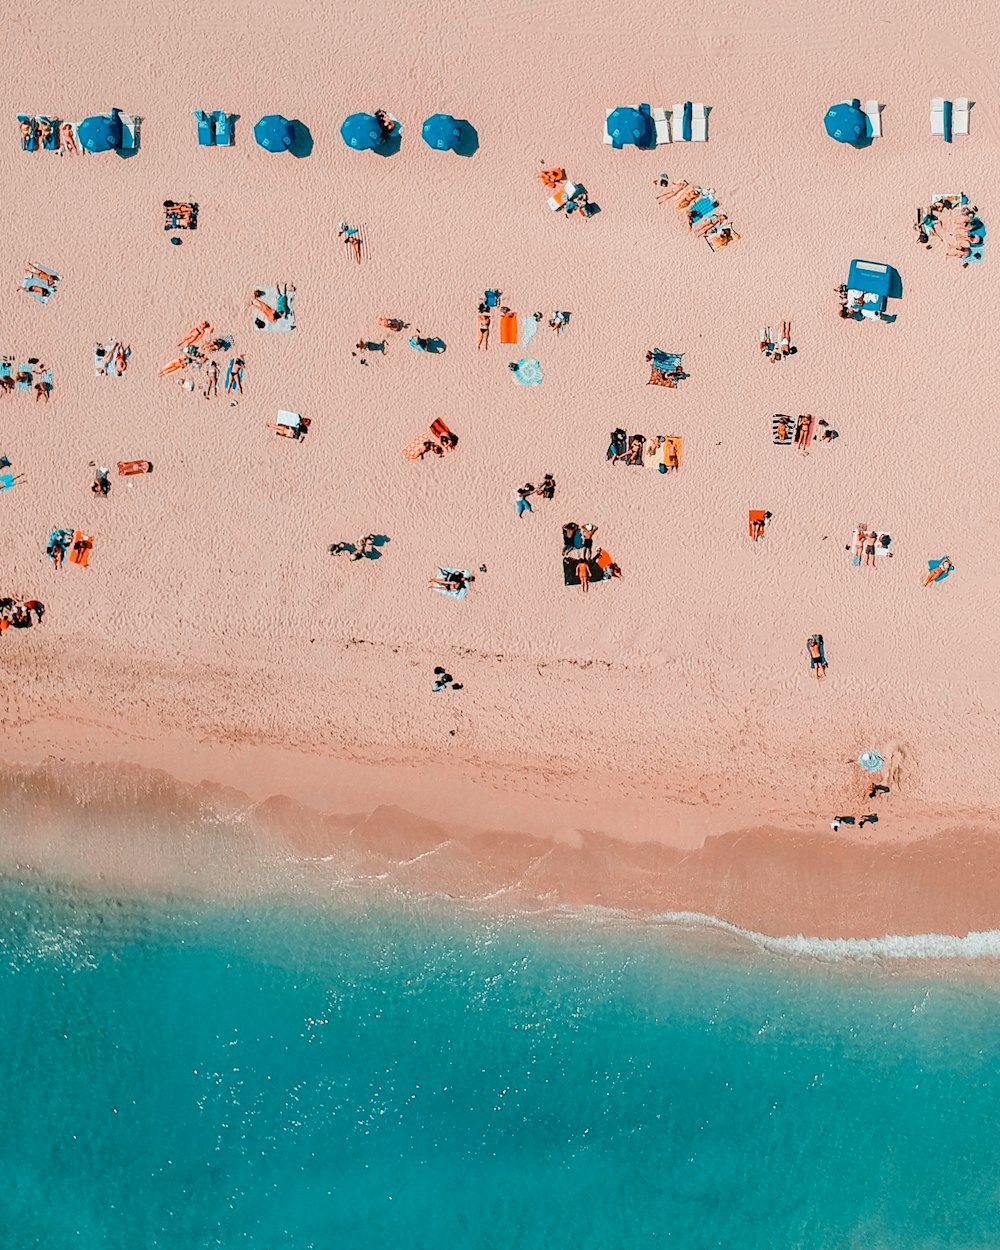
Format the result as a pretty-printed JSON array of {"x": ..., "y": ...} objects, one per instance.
[
  {"x": 756, "y": 520},
  {"x": 673, "y": 451},
  {"x": 79, "y": 552},
  {"x": 508, "y": 328}
]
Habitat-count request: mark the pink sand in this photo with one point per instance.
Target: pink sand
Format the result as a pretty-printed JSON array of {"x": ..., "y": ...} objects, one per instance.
[{"x": 215, "y": 636}]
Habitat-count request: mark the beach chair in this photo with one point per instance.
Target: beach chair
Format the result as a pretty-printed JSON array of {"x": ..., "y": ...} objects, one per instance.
[
  {"x": 960, "y": 116},
  {"x": 940, "y": 118},
  {"x": 24, "y": 372},
  {"x": 607, "y": 133},
  {"x": 51, "y": 143},
  {"x": 29, "y": 141},
  {"x": 206, "y": 128},
  {"x": 677, "y": 123},
  {"x": 873, "y": 111},
  {"x": 661, "y": 126},
  {"x": 130, "y": 131},
  {"x": 699, "y": 123},
  {"x": 223, "y": 123}
]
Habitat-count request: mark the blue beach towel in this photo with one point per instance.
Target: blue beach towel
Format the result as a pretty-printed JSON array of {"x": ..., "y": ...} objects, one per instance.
[
  {"x": 24, "y": 386},
  {"x": 936, "y": 564},
  {"x": 453, "y": 594},
  {"x": 52, "y": 142},
  {"x": 5, "y": 369},
  {"x": 29, "y": 144}
]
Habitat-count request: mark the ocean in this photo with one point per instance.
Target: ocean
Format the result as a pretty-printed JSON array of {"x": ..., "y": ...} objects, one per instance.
[{"x": 290, "y": 1073}]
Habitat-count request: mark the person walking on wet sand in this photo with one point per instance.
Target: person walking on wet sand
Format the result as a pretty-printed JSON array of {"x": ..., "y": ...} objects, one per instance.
[
  {"x": 583, "y": 573},
  {"x": 484, "y": 328}
]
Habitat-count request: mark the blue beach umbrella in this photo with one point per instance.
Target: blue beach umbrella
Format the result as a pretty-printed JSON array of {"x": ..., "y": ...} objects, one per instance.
[
  {"x": 361, "y": 131},
  {"x": 845, "y": 122},
  {"x": 441, "y": 131},
  {"x": 274, "y": 132},
  {"x": 871, "y": 761},
  {"x": 628, "y": 125},
  {"x": 102, "y": 133}
]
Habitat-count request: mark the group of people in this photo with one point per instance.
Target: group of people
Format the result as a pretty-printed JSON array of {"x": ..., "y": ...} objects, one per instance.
[
  {"x": 775, "y": 351},
  {"x": 76, "y": 545},
  {"x": 199, "y": 354},
  {"x": 17, "y": 613},
  {"x": 867, "y": 544},
  {"x": 701, "y": 211},
  {"x": 364, "y": 547},
  {"x": 557, "y": 322},
  {"x": 547, "y": 490},
  {"x": 962, "y": 231},
  {"x": 665, "y": 368},
  {"x": 636, "y": 449},
  {"x": 568, "y": 197},
  {"x": 17, "y": 377},
  {"x": 39, "y": 282}
]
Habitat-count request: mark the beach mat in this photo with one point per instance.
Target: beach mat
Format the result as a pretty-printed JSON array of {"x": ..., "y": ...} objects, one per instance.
[
  {"x": 453, "y": 594},
  {"x": 128, "y": 468},
  {"x": 24, "y": 386},
  {"x": 777, "y": 421},
  {"x": 756, "y": 514},
  {"x": 678, "y": 443},
  {"x": 569, "y": 570},
  {"x": 508, "y": 328},
  {"x": 262, "y": 321}
]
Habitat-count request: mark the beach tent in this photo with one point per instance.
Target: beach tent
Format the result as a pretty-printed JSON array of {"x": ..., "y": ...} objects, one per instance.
[
  {"x": 361, "y": 131},
  {"x": 846, "y": 123},
  {"x": 102, "y": 133},
  {"x": 274, "y": 132},
  {"x": 870, "y": 275},
  {"x": 629, "y": 125},
  {"x": 442, "y": 131}
]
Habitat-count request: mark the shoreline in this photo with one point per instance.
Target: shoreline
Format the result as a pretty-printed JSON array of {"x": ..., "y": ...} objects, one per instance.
[{"x": 125, "y": 823}]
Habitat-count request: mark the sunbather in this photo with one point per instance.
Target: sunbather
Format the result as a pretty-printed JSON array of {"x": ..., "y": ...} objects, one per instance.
[
  {"x": 671, "y": 454},
  {"x": 270, "y": 313},
  {"x": 121, "y": 355},
  {"x": 816, "y": 661},
  {"x": 483, "y": 326},
  {"x": 449, "y": 441},
  {"x": 453, "y": 581},
  {"x": 194, "y": 335},
  {"x": 708, "y": 223},
  {"x": 392, "y": 323},
  {"x": 67, "y": 139},
  {"x": 282, "y": 307},
  {"x": 27, "y": 128},
  {"x": 212, "y": 379},
  {"x": 43, "y": 389},
  {"x": 669, "y": 189},
  {"x": 552, "y": 177},
  {"x": 786, "y": 339},
  {"x": 583, "y": 573},
  {"x": 234, "y": 380},
  {"x": 45, "y": 131},
  {"x": 940, "y": 572}
]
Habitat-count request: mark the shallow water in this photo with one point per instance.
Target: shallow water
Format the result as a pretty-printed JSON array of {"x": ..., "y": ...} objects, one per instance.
[{"x": 286, "y": 1075}]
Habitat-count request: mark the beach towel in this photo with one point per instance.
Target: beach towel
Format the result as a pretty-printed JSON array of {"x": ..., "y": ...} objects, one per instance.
[
  {"x": 805, "y": 427},
  {"x": 782, "y": 429},
  {"x": 265, "y": 310},
  {"x": 934, "y": 565},
  {"x": 756, "y": 519},
  {"x": 453, "y": 594},
  {"x": 570, "y": 576},
  {"x": 103, "y": 357},
  {"x": 128, "y": 468},
  {"x": 7, "y": 481},
  {"x": 26, "y": 385},
  {"x": 223, "y": 127},
  {"x": 813, "y": 662},
  {"x": 412, "y": 450},
  {"x": 438, "y": 428},
  {"x": 508, "y": 327},
  {"x": 79, "y": 552},
  {"x": 672, "y": 451},
  {"x": 6, "y": 369},
  {"x": 529, "y": 331},
  {"x": 603, "y": 560}
]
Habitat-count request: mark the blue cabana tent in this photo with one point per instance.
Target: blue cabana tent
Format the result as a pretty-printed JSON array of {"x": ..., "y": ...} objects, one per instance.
[
  {"x": 102, "y": 133},
  {"x": 846, "y": 123},
  {"x": 442, "y": 131},
  {"x": 870, "y": 275},
  {"x": 629, "y": 125},
  {"x": 274, "y": 132},
  {"x": 362, "y": 131}
]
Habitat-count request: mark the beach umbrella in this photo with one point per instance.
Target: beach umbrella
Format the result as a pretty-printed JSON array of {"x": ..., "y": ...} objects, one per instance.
[
  {"x": 845, "y": 122},
  {"x": 102, "y": 133},
  {"x": 361, "y": 131},
  {"x": 871, "y": 761},
  {"x": 274, "y": 132},
  {"x": 528, "y": 372},
  {"x": 442, "y": 131},
  {"x": 628, "y": 125}
]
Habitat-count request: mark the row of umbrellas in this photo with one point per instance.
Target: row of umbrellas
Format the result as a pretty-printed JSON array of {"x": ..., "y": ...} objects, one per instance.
[
  {"x": 275, "y": 133},
  {"x": 366, "y": 133}
]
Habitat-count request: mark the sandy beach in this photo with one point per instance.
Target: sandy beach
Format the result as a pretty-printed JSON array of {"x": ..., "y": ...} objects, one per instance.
[{"x": 658, "y": 743}]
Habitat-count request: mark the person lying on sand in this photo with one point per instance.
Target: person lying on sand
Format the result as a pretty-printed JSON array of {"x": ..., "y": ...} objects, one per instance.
[
  {"x": 816, "y": 662},
  {"x": 451, "y": 581},
  {"x": 392, "y": 323},
  {"x": 669, "y": 189},
  {"x": 67, "y": 140}
]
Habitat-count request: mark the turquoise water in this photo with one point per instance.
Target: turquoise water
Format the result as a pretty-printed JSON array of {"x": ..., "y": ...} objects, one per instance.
[{"x": 180, "y": 1076}]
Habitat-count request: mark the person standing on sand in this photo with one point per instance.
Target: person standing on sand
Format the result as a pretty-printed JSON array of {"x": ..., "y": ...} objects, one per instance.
[
  {"x": 588, "y": 540},
  {"x": 816, "y": 659},
  {"x": 583, "y": 573},
  {"x": 521, "y": 498},
  {"x": 484, "y": 328}
]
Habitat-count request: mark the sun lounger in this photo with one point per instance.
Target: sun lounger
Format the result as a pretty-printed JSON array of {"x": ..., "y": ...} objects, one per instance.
[
  {"x": 558, "y": 200},
  {"x": 941, "y": 119},
  {"x": 873, "y": 111},
  {"x": 130, "y": 131},
  {"x": 29, "y": 142},
  {"x": 206, "y": 128},
  {"x": 223, "y": 123},
  {"x": 22, "y": 372},
  {"x": 699, "y": 123},
  {"x": 292, "y": 419},
  {"x": 438, "y": 428},
  {"x": 607, "y": 133},
  {"x": 661, "y": 126},
  {"x": 454, "y": 594},
  {"x": 782, "y": 430},
  {"x": 960, "y": 116},
  {"x": 687, "y": 198},
  {"x": 51, "y": 143},
  {"x": 129, "y": 468}
]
